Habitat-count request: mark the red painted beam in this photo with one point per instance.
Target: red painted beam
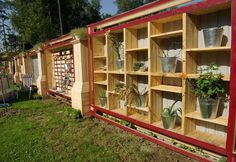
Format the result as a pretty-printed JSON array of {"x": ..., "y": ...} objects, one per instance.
[
  {"x": 59, "y": 94},
  {"x": 232, "y": 115},
  {"x": 58, "y": 45}
]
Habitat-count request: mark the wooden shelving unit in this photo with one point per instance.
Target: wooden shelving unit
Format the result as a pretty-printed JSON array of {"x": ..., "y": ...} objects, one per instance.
[{"x": 181, "y": 36}]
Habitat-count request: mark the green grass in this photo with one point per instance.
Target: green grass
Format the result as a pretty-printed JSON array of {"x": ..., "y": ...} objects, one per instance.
[{"x": 46, "y": 130}]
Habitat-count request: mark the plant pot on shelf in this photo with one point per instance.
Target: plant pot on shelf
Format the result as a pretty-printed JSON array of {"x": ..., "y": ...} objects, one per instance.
[
  {"x": 168, "y": 121},
  {"x": 209, "y": 107},
  {"x": 213, "y": 37},
  {"x": 122, "y": 104},
  {"x": 103, "y": 101},
  {"x": 168, "y": 64},
  {"x": 120, "y": 64}
]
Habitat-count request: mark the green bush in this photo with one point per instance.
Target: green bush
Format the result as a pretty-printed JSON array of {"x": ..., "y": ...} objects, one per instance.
[{"x": 76, "y": 114}]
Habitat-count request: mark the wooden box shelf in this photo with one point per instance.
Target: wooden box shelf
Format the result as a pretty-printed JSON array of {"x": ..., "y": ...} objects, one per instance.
[{"x": 177, "y": 35}]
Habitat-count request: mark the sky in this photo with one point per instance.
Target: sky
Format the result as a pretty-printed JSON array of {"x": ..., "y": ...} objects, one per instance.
[{"x": 108, "y": 6}]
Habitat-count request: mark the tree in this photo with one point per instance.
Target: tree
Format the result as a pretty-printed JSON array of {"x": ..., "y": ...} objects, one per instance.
[{"x": 126, "y": 5}]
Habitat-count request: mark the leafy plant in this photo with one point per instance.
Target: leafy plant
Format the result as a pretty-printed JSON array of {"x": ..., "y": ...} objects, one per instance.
[
  {"x": 116, "y": 44},
  {"x": 170, "y": 111},
  {"x": 102, "y": 94},
  {"x": 137, "y": 66},
  {"x": 208, "y": 84},
  {"x": 119, "y": 86}
]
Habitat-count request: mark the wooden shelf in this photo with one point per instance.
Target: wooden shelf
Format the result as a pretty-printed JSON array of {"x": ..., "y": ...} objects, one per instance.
[
  {"x": 99, "y": 57},
  {"x": 170, "y": 75},
  {"x": 196, "y": 115},
  {"x": 101, "y": 83},
  {"x": 120, "y": 111},
  {"x": 140, "y": 117},
  {"x": 137, "y": 49},
  {"x": 137, "y": 73},
  {"x": 145, "y": 109},
  {"x": 177, "y": 128},
  {"x": 209, "y": 138},
  {"x": 195, "y": 76},
  {"x": 211, "y": 49},
  {"x": 100, "y": 72},
  {"x": 116, "y": 72},
  {"x": 113, "y": 92},
  {"x": 168, "y": 34},
  {"x": 168, "y": 88}
]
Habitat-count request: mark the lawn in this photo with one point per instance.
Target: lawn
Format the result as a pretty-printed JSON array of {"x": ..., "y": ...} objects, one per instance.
[{"x": 45, "y": 130}]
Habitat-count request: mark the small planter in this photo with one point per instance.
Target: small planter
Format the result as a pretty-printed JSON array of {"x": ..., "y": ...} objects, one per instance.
[
  {"x": 168, "y": 64},
  {"x": 213, "y": 37},
  {"x": 103, "y": 101},
  {"x": 168, "y": 121},
  {"x": 122, "y": 104},
  {"x": 141, "y": 100},
  {"x": 209, "y": 107},
  {"x": 120, "y": 64}
]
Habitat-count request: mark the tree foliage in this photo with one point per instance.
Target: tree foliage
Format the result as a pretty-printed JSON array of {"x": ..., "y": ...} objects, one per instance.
[
  {"x": 126, "y": 5},
  {"x": 38, "y": 20}
]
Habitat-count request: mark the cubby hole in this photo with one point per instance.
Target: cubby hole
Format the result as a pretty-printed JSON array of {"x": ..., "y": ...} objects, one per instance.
[
  {"x": 116, "y": 104},
  {"x": 98, "y": 90},
  {"x": 112, "y": 55},
  {"x": 161, "y": 100},
  {"x": 100, "y": 64},
  {"x": 171, "y": 47},
  {"x": 99, "y": 46},
  {"x": 114, "y": 80},
  {"x": 100, "y": 78},
  {"x": 133, "y": 58},
  {"x": 196, "y": 24},
  {"x": 137, "y": 37},
  {"x": 167, "y": 25}
]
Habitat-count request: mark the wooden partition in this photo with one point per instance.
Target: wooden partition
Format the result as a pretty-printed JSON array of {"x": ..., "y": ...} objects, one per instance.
[{"x": 178, "y": 34}]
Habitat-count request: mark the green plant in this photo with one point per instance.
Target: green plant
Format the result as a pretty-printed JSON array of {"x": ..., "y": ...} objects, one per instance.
[
  {"x": 116, "y": 44},
  {"x": 208, "y": 84},
  {"x": 80, "y": 32},
  {"x": 119, "y": 86},
  {"x": 37, "y": 96},
  {"x": 171, "y": 112},
  {"x": 102, "y": 94},
  {"x": 137, "y": 66}
]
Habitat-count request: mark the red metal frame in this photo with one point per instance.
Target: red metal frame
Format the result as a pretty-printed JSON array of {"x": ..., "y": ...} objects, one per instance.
[
  {"x": 59, "y": 94},
  {"x": 189, "y": 9}
]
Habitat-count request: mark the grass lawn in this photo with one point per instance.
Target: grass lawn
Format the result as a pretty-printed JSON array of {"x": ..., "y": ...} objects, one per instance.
[{"x": 42, "y": 130}]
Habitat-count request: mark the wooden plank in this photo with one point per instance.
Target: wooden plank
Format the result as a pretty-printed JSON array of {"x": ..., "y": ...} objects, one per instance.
[
  {"x": 99, "y": 57},
  {"x": 143, "y": 13},
  {"x": 168, "y": 34},
  {"x": 168, "y": 88},
  {"x": 137, "y": 73},
  {"x": 119, "y": 111},
  {"x": 195, "y": 76},
  {"x": 219, "y": 120},
  {"x": 169, "y": 75},
  {"x": 116, "y": 72},
  {"x": 211, "y": 49},
  {"x": 140, "y": 117},
  {"x": 145, "y": 109},
  {"x": 176, "y": 129},
  {"x": 101, "y": 82},
  {"x": 100, "y": 72},
  {"x": 136, "y": 49}
]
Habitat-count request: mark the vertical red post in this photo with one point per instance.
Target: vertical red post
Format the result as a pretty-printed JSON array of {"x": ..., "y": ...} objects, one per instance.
[{"x": 232, "y": 115}]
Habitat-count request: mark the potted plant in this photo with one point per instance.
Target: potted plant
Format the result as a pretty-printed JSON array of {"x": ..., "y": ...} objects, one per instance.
[
  {"x": 168, "y": 63},
  {"x": 169, "y": 115},
  {"x": 103, "y": 98},
  {"x": 137, "y": 66},
  {"x": 117, "y": 48},
  {"x": 119, "y": 88},
  {"x": 209, "y": 89}
]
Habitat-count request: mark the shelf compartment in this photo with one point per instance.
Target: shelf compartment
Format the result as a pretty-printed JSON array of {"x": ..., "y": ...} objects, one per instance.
[
  {"x": 168, "y": 34},
  {"x": 137, "y": 49},
  {"x": 101, "y": 82},
  {"x": 176, "y": 129},
  {"x": 211, "y": 49},
  {"x": 196, "y": 115},
  {"x": 167, "y": 88},
  {"x": 119, "y": 111},
  {"x": 209, "y": 138},
  {"x": 137, "y": 73},
  {"x": 195, "y": 76}
]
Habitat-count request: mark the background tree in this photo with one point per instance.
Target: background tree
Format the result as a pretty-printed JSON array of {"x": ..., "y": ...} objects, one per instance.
[{"x": 126, "y": 5}]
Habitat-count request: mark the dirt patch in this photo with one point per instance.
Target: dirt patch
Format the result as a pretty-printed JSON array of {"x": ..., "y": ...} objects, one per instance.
[{"x": 8, "y": 112}]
